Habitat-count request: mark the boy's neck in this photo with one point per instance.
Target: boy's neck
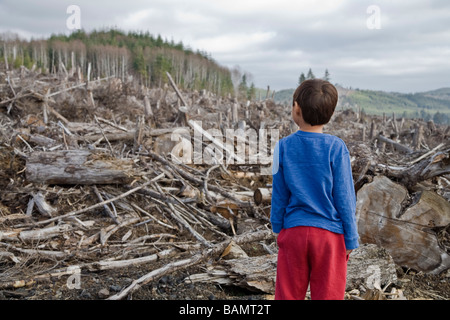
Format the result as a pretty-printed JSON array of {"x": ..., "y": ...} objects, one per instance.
[{"x": 309, "y": 128}]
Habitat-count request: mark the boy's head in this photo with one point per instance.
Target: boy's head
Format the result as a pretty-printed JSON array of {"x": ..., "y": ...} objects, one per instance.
[{"x": 317, "y": 100}]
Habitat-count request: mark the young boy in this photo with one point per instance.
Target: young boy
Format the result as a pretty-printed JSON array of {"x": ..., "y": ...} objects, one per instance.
[{"x": 313, "y": 201}]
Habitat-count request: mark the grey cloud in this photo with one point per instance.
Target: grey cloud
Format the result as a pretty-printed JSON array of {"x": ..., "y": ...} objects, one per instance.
[{"x": 275, "y": 43}]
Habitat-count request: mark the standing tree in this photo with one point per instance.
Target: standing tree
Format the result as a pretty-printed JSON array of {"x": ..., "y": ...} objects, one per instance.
[
  {"x": 327, "y": 75},
  {"x": 310, "y": 74},
  {"x": 243, "y": 88},
  {"x": 251, "y": 93},
  {"x": 236, "y": 75},
  {"x": 301, "y": 79}
]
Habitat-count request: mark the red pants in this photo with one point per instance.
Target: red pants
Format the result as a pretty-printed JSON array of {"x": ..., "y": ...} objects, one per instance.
[{"x": 314, "y": 256}]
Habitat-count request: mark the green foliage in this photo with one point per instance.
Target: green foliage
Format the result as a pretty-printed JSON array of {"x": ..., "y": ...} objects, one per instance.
[
  {"x": 301, "y": 79},
  {"x": 114, "y": 52},
  {"x": 284, "y": 96},
  {"x": 426, "y": 105},
  {"x": 310, "y": 75},
  {"x": 431, "y": 105},
  {"x": 326, "y": 76},
  {"x": 251, "y": 92}
]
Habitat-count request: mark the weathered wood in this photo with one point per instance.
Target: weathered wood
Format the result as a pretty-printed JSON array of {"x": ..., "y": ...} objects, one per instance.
[
  {"x": 436, "y": 165},
  {"x": 383, "y": 220},
  {"x": 148, "y": 111},
  {"x": 216, "y": 142},
  {"x": 97, "y": 205},
  {"x": 42, "y": 205},
  {"x": 70, "y": 167},
  {"x": 199, "y": 181},
  {"x": 174, "y": 86},
  {"x": 195, "y": 259},
  {"x": 418, "y": 136},
  {"x": 369, "y": 266},
  {"x": 262, "y": 195},
  {"x": 192, "y": 199},
  {"x": 396, "y": 145},
  {"x": 89, "y": 132},
  {"x": 35, "y": 235}
]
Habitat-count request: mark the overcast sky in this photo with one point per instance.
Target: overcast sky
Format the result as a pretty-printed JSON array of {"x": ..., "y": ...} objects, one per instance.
[{"x": 401, "y": 45}]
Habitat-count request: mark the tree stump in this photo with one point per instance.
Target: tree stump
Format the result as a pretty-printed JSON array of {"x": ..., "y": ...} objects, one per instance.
[{"x": 406, "y": 228}]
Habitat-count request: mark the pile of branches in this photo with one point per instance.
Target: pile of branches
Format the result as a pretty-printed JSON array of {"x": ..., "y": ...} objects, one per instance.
[
  {"x": 86, "y": 183},
  {"x": 91, "y": 180}
]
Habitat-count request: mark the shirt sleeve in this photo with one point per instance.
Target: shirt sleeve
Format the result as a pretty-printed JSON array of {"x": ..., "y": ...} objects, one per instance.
[
  {"x": 280, "y": 191},
  {"x": 344, "y": 196}
]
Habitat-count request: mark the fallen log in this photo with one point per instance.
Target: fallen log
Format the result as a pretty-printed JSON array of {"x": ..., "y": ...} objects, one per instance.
[
  {"x": 35, "y": 235},
  {"x": 70, "y": 167},
  {"x": 399, "y": 147}
]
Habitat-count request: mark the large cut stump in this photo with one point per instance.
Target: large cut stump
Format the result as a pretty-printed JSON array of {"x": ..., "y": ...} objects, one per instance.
[
  {"x": 70, "y": 167},
  {"x": 409, "y": 228}
]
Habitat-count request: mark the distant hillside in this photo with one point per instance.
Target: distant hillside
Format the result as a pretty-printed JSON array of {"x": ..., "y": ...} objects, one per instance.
[
  {"x": 116, "y": 53},
  {"x": 284, "y": 96},
  {"x": 434, "y": 105}
]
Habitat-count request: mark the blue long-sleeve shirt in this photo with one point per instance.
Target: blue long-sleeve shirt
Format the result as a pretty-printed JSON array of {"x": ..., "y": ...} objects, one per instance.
[{"x": 313, "y": 185}]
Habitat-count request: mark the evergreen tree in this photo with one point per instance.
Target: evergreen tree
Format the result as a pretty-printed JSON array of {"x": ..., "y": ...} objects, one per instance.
[
  {"x": 251, "y": 92},
  {"x": 327, "y": 75},
  {"x": 440, "y": 118},
  {"x": 113, "y": 52},
  {"x": 301, "y": 79},
  {"x": 310, "y": 74},
  {"x": 243, "y": 88}
]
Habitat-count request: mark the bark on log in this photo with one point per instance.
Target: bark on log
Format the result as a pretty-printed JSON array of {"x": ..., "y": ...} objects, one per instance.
[
  {"x": 408, "y": 234},
  {"x": 70, "y": 167}
]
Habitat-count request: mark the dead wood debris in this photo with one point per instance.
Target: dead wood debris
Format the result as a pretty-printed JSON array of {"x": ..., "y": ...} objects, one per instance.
[{"x": 94, "y": 179}]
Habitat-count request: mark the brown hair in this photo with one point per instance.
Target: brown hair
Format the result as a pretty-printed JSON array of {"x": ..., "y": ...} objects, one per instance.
[{"x": 317, "y": 99}]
